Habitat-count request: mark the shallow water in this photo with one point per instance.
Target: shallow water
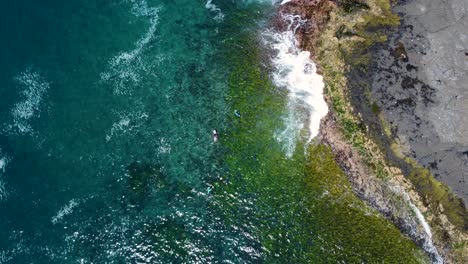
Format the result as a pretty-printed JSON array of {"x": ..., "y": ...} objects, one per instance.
[{"x": 106, "y": 147}]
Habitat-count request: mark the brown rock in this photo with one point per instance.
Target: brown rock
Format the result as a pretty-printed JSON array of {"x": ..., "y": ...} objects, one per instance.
[{"x": 311, "y": 18}]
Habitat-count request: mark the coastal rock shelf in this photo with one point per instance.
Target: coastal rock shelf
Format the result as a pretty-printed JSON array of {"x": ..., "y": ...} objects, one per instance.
[
  {"x": 421, "y": 85},
  {"x": 377, "y": 71}
]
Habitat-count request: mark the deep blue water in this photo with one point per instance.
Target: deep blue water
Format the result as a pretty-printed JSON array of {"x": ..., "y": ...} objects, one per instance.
[{"x": 88, "y": 89}]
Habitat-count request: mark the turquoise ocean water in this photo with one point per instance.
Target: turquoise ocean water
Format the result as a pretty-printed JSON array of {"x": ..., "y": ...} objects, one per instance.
[{"x": 106, "y": 152}]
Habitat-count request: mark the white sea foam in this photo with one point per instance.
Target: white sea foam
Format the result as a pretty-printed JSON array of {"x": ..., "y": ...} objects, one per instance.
[
  {"x": 128, "y": 123},
  {"x": 3, "y": 190},
  {"x": 5, "y": 257},
  {"x": 3, "y": 163},
  {"x": 4, "y": 160},
  {"x": 34, "y": 90},
  {"x": 213, "y": 8},
  {"x": 428, "y": 244},
  {"x": 64, "y": 211},
  {"x": 123, "y": 68},
  {"x": 295, "y": 71},
  {"x": 17, "y": 247},
  {"x": 164, "y": 146}
]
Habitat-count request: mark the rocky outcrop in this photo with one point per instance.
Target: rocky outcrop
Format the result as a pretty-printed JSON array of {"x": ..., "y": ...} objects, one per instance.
[
  {"x": 382, "y": 185},
  {"x": 419, "y": 81},
  {"x": 312, "y": 15},
  {"x": 395, "y": 198}
]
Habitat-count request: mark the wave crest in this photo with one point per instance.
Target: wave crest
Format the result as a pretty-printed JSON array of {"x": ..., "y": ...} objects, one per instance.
[{"x": 296, "y": 72}]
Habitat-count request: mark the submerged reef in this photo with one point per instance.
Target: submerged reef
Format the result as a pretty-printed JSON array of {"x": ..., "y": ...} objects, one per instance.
[{"x": 343, "y": 37}]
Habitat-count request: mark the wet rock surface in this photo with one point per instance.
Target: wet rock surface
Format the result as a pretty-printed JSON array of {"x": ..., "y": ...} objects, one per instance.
[
  {"x": 391, "y": 198},
  {"x": 393, "y": 87},
  {"x": 420, "y": 83},
  {"x": 310, "y": 17}
]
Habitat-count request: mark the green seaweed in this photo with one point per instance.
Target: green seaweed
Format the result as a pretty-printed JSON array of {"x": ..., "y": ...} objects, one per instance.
[
  {"x": 301, "y": 209},
  {"x": 352, "y": 5},
  {"x": 355, "y": 225},
  {"x": 336, "y": 58},
  {"x": 375, "y": 108},
  {"x": 439, "y": 197}
]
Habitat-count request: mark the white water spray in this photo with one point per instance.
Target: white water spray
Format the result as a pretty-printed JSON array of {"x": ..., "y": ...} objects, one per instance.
[
  {"x": 428, "y": 245},
  {"x": 2, "y": 164},
  {"x": 296, "y": 72},
  {"x": 213, "y": 8}
]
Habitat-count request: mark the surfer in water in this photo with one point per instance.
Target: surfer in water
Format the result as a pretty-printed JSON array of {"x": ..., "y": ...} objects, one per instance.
[{"x": 215, "y": 135}]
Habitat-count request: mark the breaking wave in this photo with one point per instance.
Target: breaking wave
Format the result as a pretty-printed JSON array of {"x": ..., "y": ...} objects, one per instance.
[
  {"x": 213, "y": 8},
  {"x": 296, "y": 72}
]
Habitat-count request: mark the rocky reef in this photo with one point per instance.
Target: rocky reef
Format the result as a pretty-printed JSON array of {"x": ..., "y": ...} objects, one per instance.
[{"x": 384, "y": 106}]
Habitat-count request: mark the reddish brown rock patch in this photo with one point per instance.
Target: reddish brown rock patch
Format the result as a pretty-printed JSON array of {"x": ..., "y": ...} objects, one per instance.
[{"x": 314, "y": 15}]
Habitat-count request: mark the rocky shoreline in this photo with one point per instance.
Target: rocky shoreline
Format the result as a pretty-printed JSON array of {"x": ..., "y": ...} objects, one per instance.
[
  {"x": 419, "y": 83},
  {"x": 343, "y": 37}
]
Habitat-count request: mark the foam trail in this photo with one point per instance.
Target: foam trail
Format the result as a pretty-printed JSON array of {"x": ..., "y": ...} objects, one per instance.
[
  {"x": 129, "y": 122},
  {"x": 35, "y": 88},
  {"x": 66, "y": 210},
  {"x": 4, "y": 160},
  {"x": 295, "y": 71},
  {"x": 124, "y": 67}
]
